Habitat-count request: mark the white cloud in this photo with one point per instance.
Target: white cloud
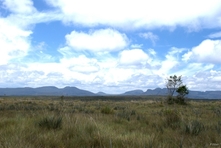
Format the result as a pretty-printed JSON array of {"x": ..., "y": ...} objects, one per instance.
[
  {"x": 24, "y": 15},
  {"x": 16, "y": 29},
  {"x": 107, "y": 75},
  {"x": 215, "y": 35},
  {"x": 80, "y": 71},
  {"x": 204, "y": 80},
  {"x": 98, "y": 40},
  {"x": 134, "y": 56},
  {"x": 190, "y": 69},
  {"x": 81, "y": 64},
  {"x": 28, "y": 21},
  {"x": 207, "y": 51},
  {"x": 71, "y": 70},
  {"x": 150, "y": 36},
  {"x": 140, "y": 13},
  {"x": 22, "y": 7},
  {"x": 13, "y": 40},
  {"x": 171, "y": 62},
  {"x": 110, "y": 74}
]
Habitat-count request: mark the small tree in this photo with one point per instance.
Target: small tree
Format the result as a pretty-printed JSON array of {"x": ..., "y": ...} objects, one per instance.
[{"x": 175, "y": 84}]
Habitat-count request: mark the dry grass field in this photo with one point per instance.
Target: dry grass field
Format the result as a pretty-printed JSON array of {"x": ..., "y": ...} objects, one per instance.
[{"x": 44, "y": 122}]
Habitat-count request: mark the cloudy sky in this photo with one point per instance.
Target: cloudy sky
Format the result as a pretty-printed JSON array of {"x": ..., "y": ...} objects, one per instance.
[{"x": 110, "y": 45}]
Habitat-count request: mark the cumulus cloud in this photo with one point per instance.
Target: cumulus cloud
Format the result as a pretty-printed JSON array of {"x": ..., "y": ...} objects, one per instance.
[
  {"x": 208, "y": 51},
  {"x": 13, "y": 40},
  {"x": 97, "y": 40},
  {"x": 140, "y": 13},
  {"x": 133, "y": 57}
]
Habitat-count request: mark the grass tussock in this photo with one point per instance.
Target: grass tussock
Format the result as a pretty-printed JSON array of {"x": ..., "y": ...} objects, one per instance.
[
  {"x": 41, "y": 122},
  {"x": 50, "y": 122},
  {"x": 106, "y": 110}
]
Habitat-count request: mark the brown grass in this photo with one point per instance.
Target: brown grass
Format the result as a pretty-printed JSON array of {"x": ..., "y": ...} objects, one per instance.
[{"x": 97, "y": 123}]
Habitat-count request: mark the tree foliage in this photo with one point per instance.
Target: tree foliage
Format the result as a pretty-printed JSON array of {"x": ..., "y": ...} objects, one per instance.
[{"x": 182, "y": 91}]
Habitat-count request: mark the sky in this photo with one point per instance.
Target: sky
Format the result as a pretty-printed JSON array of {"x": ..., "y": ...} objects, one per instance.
[{"x": 111, "y": 46}]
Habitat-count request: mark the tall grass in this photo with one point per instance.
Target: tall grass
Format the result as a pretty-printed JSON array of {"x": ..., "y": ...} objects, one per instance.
[{"x": 32, "y": 123}]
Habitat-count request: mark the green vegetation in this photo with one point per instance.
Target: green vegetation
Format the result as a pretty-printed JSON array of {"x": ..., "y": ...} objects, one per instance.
[{"x": 65, "y": 122}]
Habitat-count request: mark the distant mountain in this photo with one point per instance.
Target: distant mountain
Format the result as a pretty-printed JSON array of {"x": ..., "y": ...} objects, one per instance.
[
  {"x": 134, "y": 92},
  {"x": 101, "y": 94},
  {"x": 74, "y": 91},
  {"x": 157, "y": 91},
  {"x": 163, "y": 92},
  {"x": 205, "y": 95},
  {"x": 45, "y": 91}
]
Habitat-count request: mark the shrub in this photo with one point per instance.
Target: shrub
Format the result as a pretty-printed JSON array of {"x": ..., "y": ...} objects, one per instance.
[{"x": 51, "y": 123}]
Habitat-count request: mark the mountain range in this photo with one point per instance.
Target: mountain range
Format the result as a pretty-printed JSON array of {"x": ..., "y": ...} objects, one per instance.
[
  {"x": 192, "y": 94},
  {"x": 74, "y": 91},
  {"x": 45, "y": 91}
]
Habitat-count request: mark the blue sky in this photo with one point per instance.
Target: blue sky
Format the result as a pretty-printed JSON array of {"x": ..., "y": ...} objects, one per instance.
[{"x": 110, "y": 45}]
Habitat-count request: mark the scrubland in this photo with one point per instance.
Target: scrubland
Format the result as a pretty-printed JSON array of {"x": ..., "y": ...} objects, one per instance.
[{"x": 50, "y": 122}]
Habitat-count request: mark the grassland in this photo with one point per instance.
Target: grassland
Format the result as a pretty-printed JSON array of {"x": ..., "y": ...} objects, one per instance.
[{"x": 50, "y": 122}]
